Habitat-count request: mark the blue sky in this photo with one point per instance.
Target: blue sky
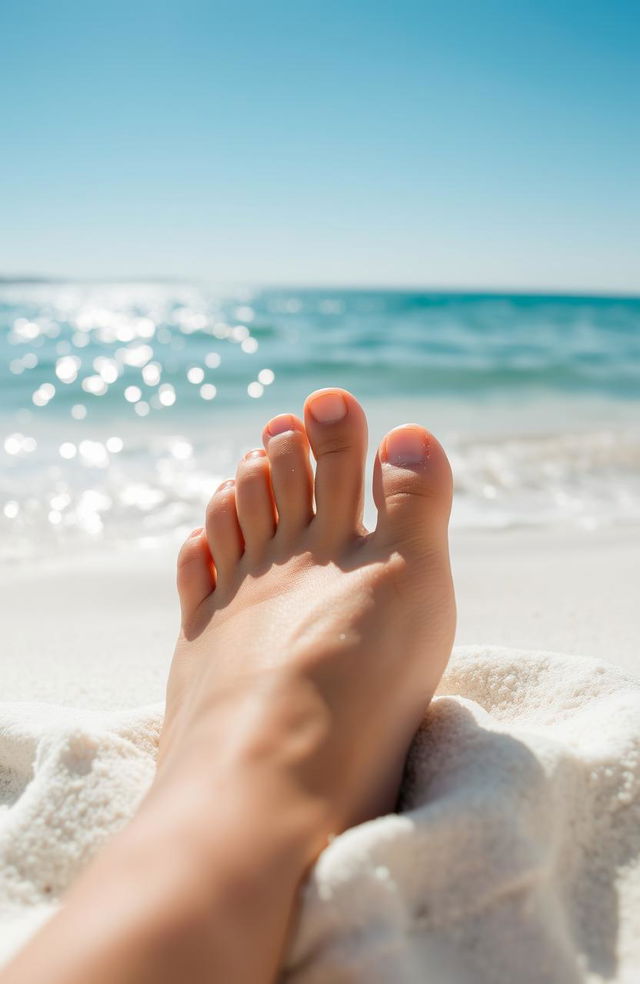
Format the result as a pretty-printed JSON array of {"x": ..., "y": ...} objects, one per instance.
[{"x": 469, "y": 144}]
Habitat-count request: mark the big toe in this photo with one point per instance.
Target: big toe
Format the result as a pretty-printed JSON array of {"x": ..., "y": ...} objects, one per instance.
[{"x": 412, "y": 488}]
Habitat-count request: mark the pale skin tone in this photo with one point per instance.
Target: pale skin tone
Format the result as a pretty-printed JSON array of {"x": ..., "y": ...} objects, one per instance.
[{"x": 308, "y": 652}]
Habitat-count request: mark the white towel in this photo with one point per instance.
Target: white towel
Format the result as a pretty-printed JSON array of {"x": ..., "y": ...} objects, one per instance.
[{"x": 515, "y": 857}]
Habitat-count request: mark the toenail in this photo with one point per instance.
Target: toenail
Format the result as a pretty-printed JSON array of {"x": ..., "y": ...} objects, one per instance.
[
  {"x": 256, "y": 453},
  {"x": 280, "y": 425},
  {"x": 328, "y": 408},
  {"x": 230, "y": 482},
  {"x": 406, "y": 447},
  {"x": 195, "y": 533}
]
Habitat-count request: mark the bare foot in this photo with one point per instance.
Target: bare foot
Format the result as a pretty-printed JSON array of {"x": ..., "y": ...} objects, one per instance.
[
  {"x": 274, "y": 591},
  {"x": 308, "y": 652}
]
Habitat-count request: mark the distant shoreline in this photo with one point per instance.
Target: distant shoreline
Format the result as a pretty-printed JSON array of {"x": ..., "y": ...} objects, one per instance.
[{"x": 424, "y": 290}]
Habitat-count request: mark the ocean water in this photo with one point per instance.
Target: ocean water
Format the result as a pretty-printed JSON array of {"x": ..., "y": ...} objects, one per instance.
[{"x": 123, "y": 405}]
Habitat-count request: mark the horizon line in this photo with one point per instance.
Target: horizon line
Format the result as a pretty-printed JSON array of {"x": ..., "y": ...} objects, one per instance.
[{"x": 423, "y": 288}]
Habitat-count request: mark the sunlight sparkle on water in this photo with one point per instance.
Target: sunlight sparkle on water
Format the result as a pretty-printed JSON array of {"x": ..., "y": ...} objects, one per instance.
[
  {"x": 107, "y": 369},
  {"x": 195, "y": 375},
  {"x": 67, "y": 450},
  {"x": 135, "y": 355},
  {"x": 109, "y": 358},
  {"x": 13, "y": 443},
  {"x": 25, "y": 330},
  {"x": 167, "y": 395},
  {"x": 94, "y": 385},
  {"x": 67, "y": 367},
  {"x": 19, "y": 444},
  {"x": 151, "y": 373},
  {"x": 43, "y": 394}
]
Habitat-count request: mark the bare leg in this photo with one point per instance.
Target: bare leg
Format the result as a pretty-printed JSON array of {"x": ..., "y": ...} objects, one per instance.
[{"x": 307, "y": 654}]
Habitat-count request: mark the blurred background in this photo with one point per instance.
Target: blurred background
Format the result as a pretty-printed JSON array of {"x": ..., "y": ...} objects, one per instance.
[{"x": 210, "y": 209}]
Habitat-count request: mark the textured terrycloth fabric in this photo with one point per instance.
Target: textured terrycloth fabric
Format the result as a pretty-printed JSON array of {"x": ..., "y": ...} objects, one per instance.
[{"x": 515, "y": 856}]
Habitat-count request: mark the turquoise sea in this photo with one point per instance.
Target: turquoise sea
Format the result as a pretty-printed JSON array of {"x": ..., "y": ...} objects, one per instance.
[{"x": 123, "y": 405}]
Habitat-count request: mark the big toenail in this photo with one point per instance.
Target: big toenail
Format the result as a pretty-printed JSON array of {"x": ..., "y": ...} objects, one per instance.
[
  {"x": 280, "y": 425},
  {"x": 256, "y": 453},
  {"x": 328, "y": 408},
  {"x": 406, "y": 447}
]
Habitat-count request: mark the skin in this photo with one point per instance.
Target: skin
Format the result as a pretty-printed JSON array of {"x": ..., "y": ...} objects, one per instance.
[{"x": 308, "y": 652}]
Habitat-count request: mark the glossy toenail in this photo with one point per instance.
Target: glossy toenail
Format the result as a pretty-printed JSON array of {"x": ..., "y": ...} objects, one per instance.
[
  {"x": 195, "y": 533},
  {"x": 256, "y": 453},
  {"x": 230, "y": 482},
  {"x": 406, "y": 447},
  {"x": 328, "y": 408},
  {"x": 280, "y": 425}
]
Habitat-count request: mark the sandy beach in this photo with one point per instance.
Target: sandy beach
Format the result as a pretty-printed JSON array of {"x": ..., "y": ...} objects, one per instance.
[
  {"x": 98, "y": 631},
  {"x": 514, "y": 853}
]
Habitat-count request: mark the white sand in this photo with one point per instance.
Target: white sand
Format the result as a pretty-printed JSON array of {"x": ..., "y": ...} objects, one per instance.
[
  {"x": 576, "y": 592},
  {"x": 517, "y": 855}
]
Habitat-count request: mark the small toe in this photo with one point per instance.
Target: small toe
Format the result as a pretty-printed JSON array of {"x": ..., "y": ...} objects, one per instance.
[
  {"x": 412, "y": 487},
  {"x": 223, "y": 531},
  {"x": 195, "y": 574},
  {"x": 337, "y": 431},
  {"x": 291, "y": 477},
  {"x": 254, "y": 501}
]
